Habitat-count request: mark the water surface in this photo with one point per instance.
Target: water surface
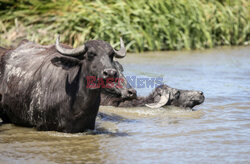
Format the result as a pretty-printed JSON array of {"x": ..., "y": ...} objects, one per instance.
[{"x": 217, "y": 131}]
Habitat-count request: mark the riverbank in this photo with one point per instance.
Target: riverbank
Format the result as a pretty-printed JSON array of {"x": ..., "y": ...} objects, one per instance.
[{"x": 144, "y": 25}]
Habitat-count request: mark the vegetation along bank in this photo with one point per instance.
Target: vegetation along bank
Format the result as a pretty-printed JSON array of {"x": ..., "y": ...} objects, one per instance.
[{"x": 145, "y": 25}]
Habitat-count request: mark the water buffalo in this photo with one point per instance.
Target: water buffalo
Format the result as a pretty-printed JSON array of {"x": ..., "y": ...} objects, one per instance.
[
  {"x": 45, "y": 86},
  {"x": 123, "y": 91},
  {"x": 161, "y": 96}
]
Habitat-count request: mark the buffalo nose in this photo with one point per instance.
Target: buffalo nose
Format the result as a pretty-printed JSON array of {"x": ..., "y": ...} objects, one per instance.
[
  {"x": 109, "y": 73},
  {"x": 131, "y": 93},
  {"x": 201, "y": 93}
]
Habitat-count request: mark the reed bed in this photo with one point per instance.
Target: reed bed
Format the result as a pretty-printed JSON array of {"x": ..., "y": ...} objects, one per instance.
[{"x": 145, "y": 25}]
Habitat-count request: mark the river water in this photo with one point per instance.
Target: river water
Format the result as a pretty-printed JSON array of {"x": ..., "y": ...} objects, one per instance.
[{"x": 216, "y": 131}]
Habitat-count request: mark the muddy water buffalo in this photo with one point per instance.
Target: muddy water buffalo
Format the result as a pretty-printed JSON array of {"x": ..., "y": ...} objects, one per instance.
[
  {"x": 161, "y": 96},
  {"x": 45, "y": 86}
]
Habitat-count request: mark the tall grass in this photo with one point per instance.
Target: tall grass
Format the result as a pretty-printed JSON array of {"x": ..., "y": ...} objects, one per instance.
[{"x": 143, "y": 24}]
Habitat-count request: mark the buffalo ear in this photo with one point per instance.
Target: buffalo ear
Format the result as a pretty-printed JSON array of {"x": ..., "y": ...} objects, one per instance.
[
  {"x": 65, "y": 62},
  {"x": 73, "y": 75}
]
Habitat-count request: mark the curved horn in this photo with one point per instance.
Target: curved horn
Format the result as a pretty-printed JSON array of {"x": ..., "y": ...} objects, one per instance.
[
  {"x": 69, "y": 52},
  {"x": 122, "y": 52},
  {"x": 164, "y": 100}
]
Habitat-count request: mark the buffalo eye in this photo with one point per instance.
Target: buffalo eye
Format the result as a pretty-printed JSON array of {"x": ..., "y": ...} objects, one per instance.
[
  {"x": 91, "y": 55},
  {"x": 177, "y": 94},
  {"x": 112, "y": 55}
]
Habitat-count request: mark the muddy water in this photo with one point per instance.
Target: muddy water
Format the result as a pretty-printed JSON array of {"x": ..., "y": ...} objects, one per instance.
[{"x": 217, "y": 131}]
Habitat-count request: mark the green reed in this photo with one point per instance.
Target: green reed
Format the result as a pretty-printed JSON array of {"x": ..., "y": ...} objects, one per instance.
[{"x": 145, "y": 25}]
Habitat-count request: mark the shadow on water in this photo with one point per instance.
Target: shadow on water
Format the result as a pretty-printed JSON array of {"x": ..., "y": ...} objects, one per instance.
[
  {"x": 103, "y": 131},
  {"x": 114, "y": 118}
]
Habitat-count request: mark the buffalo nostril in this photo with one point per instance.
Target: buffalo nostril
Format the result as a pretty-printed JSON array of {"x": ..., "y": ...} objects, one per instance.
[
  {"x": 105, "y": 73},
  {"x": 113, "y": 73},
  {"x": 109, "y": 73}
]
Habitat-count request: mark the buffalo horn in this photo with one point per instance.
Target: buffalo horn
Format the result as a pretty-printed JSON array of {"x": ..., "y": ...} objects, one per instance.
[
  {"x": 163, "y": 100},
  {"x": 69, "y": 52},
  {"x": 122, "y": 52}
]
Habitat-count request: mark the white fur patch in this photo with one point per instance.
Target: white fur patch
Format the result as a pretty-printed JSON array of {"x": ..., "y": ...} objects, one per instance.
[{"x": 13, "y": 71}]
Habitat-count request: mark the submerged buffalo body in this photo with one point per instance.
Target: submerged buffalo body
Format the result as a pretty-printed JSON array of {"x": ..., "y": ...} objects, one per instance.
[
  {"x": 161, "y": 96},
  {"x": 45, "y": 86}
]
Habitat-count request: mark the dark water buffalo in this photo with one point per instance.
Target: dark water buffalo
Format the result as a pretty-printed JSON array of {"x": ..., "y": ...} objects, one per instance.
[
  {"x": 123, "y": 91},
  {"x": 161, "y": 96},
  {"x": 45, "y": 86}
]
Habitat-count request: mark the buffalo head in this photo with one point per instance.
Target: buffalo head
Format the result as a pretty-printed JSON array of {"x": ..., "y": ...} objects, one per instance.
[
  {"x": 97, "y": 56},
  {"x": 120, "y": 88},
  {"x": 165, "y": 95}
]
